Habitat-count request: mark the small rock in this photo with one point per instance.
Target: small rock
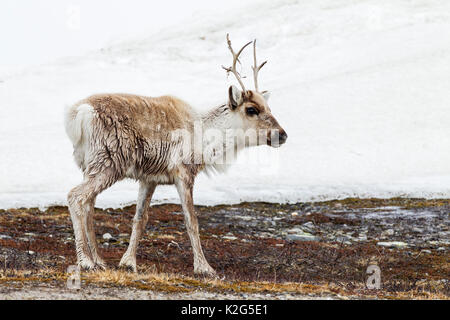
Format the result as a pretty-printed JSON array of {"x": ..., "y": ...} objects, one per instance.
[
  {"x": 440, "y": 249},
  {"x": 108, "y": 237},
  {"x": 30, "y": 252},
  {"x": 349, "y": 235},
  {"x": 4, "y": 237},
  {"x": 341, "y": 239},
  {"x": 229, "y": 236},
  {"x": 294, "y": 214},
  {"x": 308, "y": 225},
  {"x": 362, "y": 237},
  {"x": 302, "y": 237},
  {"x": 245, "y": 218},
  {"x": 426, "y": 251},
  {"x": 389, "y": 232},
  {"x": 392, "y": 244},
  {"x": 295, "y": 230}
]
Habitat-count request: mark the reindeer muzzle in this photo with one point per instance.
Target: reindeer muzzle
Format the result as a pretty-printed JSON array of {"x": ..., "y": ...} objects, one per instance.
[{"x": 276, "y": 138}]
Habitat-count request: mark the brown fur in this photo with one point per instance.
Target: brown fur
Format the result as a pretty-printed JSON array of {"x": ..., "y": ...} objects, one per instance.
[
  {"x": 128, "y": 141},
  {"x": 123, "y": 135}
]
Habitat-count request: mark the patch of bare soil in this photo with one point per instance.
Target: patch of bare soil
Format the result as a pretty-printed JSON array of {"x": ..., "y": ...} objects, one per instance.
[{"x": 260, "y": 250}]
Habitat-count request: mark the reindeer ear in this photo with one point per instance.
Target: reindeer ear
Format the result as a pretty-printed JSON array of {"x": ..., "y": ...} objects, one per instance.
[
  {"x": 266, "y": 95},
  {"x": 235, "y": 96}
]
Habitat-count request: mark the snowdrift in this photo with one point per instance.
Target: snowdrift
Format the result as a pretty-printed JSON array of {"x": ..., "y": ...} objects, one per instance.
[{"x": 361, "y": 87}]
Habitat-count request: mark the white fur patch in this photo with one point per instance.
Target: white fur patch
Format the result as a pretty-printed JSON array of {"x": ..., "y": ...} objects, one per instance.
[
  {"x": 78, "y": 124},
  {"x": 78, "y": 119}
]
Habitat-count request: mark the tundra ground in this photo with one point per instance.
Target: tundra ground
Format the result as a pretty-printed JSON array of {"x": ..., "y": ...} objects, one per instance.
[{"x": 260, "y": 251}]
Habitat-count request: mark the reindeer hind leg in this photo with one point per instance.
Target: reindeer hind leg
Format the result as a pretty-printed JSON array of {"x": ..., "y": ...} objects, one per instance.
[{"x": 81, "y": 200}]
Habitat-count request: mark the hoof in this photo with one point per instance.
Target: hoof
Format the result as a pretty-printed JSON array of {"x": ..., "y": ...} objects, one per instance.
[
  {"x": 99, "y": 267},
  {"x": 86, "y": 264},
  {"x": 206, "y": 271},
  {"x": 100, "y": 264},
  {"x": 128, "y": 264},
  {"x": 91, "y": 266},
  {"x": 128, "y": 268}
]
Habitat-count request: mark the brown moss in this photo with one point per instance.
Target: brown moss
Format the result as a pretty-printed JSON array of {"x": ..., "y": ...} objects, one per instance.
[
  {"x": 408, "y": 203},
  {"x": 255, "y": 266}
]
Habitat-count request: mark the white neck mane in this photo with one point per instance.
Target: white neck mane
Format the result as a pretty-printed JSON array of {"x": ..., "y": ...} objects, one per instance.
[{"x": 219, "y": 145}]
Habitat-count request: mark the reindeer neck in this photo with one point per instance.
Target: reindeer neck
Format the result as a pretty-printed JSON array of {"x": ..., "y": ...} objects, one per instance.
[
  {"x": 218, "y": 118},
  {"x": 218, "y": 141}
]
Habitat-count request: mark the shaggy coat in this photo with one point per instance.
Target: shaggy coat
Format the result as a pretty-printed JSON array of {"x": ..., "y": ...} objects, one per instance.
[{"x": 117, "y": 136}]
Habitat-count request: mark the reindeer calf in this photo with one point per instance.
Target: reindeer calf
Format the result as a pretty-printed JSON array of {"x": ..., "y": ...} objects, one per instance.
[{"x": 117, "y": 136}]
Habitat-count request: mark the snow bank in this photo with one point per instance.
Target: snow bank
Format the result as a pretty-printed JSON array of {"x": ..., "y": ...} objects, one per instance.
[{"x": 362, "y": 89}]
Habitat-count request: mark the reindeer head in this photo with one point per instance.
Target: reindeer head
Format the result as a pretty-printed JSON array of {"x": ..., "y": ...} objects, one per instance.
[{"x": 250, "y": 106}]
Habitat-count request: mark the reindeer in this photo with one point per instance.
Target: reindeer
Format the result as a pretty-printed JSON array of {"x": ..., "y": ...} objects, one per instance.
[{"x": 118, "y": 136}]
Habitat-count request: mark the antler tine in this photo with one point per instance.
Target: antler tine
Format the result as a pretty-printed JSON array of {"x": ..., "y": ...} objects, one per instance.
[
  {"x": 255, "y": 67},
  {"x": 236, "y": 59}
]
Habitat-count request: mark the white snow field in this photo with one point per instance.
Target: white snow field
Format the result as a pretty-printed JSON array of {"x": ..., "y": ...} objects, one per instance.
[{"x": 361, "y": 87}]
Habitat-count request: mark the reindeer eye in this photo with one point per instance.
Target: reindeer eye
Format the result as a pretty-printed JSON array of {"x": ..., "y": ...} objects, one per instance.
[{"x": 251, "y": 111}]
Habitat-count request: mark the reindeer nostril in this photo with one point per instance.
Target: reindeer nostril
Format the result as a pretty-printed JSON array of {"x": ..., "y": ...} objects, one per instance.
[{"x": 283, "y": 136}]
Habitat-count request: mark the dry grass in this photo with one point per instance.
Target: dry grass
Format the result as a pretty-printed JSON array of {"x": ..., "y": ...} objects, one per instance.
[
  {"x": 176, "y": 283},
  {"x": 164, "y": 282}
]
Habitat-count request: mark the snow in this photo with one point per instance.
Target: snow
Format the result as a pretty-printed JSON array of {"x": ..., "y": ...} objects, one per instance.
[
  {"x": 54, "y": 28},
  {"x": 361, "y": 87}
]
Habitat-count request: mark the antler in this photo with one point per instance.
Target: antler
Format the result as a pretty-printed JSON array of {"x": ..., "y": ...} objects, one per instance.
[
  {"x": 235, "y": 59},
  {"x": 255, "y": 67}
]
